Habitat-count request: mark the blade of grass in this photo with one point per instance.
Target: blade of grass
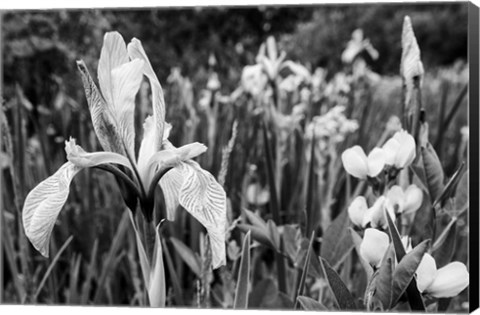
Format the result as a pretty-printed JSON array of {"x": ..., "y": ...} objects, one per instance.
[
  {"x": 275, "y": 208},
  {"x": 91, "y": 272},
  {"x": 243, "y": 282},
  {"x": 177, "y": 288},
  {"x": 51, "y": 266},
  {"x": 301, "y": 284},
  {"x": 311, "y": 216},
  {"x": 108, "y": 262}
]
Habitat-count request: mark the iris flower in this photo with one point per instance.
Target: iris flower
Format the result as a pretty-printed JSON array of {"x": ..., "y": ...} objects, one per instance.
[{"x": 121, "y": 69}]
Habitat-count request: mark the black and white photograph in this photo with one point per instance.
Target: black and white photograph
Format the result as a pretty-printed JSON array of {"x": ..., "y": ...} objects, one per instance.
[{"x": 300, "y": 157}]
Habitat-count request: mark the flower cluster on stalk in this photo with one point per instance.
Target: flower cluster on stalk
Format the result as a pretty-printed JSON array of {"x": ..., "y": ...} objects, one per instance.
[{"x": 380, "y": 169}]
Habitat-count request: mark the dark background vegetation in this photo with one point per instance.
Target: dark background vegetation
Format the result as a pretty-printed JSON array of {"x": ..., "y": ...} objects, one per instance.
[{"x": 40, "y": 48}]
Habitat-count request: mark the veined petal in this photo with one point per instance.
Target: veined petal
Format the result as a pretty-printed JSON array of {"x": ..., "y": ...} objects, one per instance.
[
  {"x": 113, "y": 54},
  {"x": 355, "y": 162},
  {"x": 205, "y": 200},
  {"x": 426, "y": 272},
  {"x": 449, "y": 280},
  {"x": 170, "y": 184},
  {"x": 80, "y": 158},
  {"x": 43, "y": 204},
  {"x": 135, "y": 50},
  {"x": 126, "y": 80},
  {"x": 103, "y": 121},
  {"x": 375, "y": 161}
]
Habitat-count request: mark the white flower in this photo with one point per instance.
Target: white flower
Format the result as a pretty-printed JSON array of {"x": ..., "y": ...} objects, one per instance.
[
  {"x": 357, "y": 210},
  {"x": 375, "y": 215},
  {"x": 254, "y": 79},
  {"x": 374, "y": 245},
  {"x": 121, "y": 69},
  {"x": 447, "y": 281},
  {"x": 357, "y": 164},
  {"x": 400, "y": 150},
  {"x": 407, "y": 201}
]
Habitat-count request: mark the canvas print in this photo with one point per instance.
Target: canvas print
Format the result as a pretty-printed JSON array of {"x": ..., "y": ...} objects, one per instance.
[{"x": 259, "y": 157}]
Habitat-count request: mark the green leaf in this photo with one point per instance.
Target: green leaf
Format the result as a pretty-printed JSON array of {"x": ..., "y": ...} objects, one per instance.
[
  {"x": 258, "y": 234},
  {"x": 462, "y": 193},
  {"x": 273, "y": 234},
  {"x": 243, "y": 281},
  {"x": 187, "y": 255},
  {"x": 291, "y": 237},
  {"x": 310, "y": 211},
  {"x": 405, "y": 270},
  {"x": 449, "y": 188},
  {"x": 310, "y": 304},
  {"x": 303, "y": 277},
  {"x": 343, "y": 297},
  {"x": 265, "y": 295},
  {"x": 444, "y": 247},
  {"x": 423, "y": 224},
  {"x": 383, "y": 283},
  {"x": 433, "y": 171},
  {"x": 414, "y": 298},
  {"x": 156, "y": 290},
  {"x": 254, "y": 219},
  {"x": 337, "y": 242}
]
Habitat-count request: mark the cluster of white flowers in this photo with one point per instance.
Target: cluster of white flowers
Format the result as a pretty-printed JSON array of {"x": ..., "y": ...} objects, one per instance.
[
  {"x": 332, "y": 126},
  {"x": 397, "y": 153}
]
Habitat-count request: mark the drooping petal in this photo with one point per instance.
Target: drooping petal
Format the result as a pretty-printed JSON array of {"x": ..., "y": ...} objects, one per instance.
[
  {"x": 378, "y": 213},
  {"x": 135, "y": 50},
  {"x": 103, "y": 121},
  {"x": 112, "y": 55},
  {"x": 391, "y": 148},
  {"x": 375, "y": 161},
  {"x": 126, "y": 80},
  {"x": 80, "y": 158},
  {"x": 413, "y": 198},
  {"x": 449, "y": 280},
  {"x": 43, "y": 204},
  {"x": 396, "y": 198},
  {"x": 203, "y": 197},
  {"x": 426, "y": 272},
  {"x": 355, "y": 162},
  {"x": 170, "y": 184},
  {"x": 373, "y": 246},
  {"x": 406, "y": 153},
  {"x": 357, "y": 210}
]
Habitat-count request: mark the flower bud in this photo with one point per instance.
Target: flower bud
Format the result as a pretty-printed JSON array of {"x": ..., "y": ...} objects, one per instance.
[
  {"x": 373, "y": 246},
  {"x": 357, "y": 210}
]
